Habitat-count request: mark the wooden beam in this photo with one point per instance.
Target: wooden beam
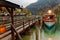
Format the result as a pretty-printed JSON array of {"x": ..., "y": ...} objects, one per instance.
[
  {"x": 9, "y": 4},
  {"x": 10, "y": 10},
  {"x": 12, "y": 26}
]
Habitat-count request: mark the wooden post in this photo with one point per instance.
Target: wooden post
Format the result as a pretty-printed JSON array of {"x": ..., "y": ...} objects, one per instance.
[
  {"x": 29, "y": 22},
  {"x": 13, "y": 28},
  {"x": 36, "y": 26},
  {"x": 23, "y": 23},
  {"x": 29, "y": 31},
  {"x": 39, "y": 20},
  {"x": 41, "y": 23},
  {"x": 10, "y": 10},
  {"x": 12, "y": 21},
  {"x": 32, "y": 20}
]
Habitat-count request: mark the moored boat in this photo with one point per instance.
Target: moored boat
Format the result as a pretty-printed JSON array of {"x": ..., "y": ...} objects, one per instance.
[{"x": 49, "y": 20}]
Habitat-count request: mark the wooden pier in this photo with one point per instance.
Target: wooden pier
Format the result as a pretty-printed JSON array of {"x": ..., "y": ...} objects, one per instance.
[{"x": 7, "y": 35}]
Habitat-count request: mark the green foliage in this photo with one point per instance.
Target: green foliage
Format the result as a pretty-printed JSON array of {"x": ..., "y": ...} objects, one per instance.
[{"x": 57, "y": 11}]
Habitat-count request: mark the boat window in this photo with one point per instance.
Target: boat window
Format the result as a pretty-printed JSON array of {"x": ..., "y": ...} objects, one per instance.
[{"x": 51, "y": 17}]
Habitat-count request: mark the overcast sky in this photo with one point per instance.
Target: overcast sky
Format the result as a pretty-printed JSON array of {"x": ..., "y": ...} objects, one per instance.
[{"x": 23, "y": 2}]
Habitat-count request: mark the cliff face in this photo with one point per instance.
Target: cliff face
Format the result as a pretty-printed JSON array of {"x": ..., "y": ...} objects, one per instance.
[{"x": 42, "y": 5}]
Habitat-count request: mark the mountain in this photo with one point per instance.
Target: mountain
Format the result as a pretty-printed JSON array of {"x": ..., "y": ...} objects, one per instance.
[{"x": 42, "y": 5}]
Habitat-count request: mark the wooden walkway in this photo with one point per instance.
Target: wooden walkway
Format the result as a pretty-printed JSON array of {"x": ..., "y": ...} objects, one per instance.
[{"x": 22, "y": 27}]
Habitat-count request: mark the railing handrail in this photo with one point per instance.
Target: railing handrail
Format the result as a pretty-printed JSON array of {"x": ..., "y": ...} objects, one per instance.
[{"x": 22, "y": 25}]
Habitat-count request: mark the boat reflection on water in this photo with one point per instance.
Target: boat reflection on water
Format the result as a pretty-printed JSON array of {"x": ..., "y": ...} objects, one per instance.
[{"x": 49, "y": 38}]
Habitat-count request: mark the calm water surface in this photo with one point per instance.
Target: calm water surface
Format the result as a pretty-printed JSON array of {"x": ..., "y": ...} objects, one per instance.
[{"x": 42, "y": 35}]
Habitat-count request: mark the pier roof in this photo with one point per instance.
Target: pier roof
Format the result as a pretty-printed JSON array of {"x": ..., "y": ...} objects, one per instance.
[{"x": 4, "y": 3}]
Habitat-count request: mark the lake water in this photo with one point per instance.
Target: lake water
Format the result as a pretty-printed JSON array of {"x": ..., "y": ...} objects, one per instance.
[{"x": 43, "y": 35}]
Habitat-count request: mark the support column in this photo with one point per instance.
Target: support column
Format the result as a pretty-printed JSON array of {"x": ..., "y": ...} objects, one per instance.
[
  {"x": 23, "y": 18},
  {"x": 10, "y": 10},
  {"x": 28, "y": 31},
  {"x": 36, "y": 26},
  {"x": 12, "y": 21}
]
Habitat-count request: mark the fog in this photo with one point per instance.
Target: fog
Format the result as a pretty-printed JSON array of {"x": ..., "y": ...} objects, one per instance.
[{"x": 23, "y": 3}]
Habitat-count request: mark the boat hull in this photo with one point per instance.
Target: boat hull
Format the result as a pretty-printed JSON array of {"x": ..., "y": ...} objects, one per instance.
[{"x": 49, "y": 25}]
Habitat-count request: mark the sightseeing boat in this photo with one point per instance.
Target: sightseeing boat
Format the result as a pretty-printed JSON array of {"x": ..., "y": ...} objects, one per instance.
[{"x": 49, "y": 20}]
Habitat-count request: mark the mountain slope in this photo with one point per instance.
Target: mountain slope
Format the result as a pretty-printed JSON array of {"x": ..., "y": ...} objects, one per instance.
[{"x": 42, "y": 5}]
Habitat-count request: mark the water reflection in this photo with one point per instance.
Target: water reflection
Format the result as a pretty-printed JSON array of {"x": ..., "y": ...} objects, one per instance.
[
  {"x": 41, "y": 35},
  {"x": 49, "y": 38}
]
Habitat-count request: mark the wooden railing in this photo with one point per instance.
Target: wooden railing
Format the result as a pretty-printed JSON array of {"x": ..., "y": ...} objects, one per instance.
[{"x": 18, "y": 27}]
